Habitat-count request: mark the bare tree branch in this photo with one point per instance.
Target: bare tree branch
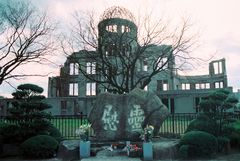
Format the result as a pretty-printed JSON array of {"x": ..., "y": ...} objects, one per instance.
[
  {"x": 120, "y": 57},
  {"x": 26, "y": 37}
]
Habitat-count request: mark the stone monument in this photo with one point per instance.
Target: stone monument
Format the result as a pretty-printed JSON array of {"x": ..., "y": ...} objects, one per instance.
[{"x": 122, "y": 117}]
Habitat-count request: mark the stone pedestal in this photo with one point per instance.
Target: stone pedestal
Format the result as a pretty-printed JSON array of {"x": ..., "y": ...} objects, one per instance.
[
  {"x": 68, "y": 150},
  {"x": 84, "y": 149},
  {"x": 165, "y": 149},
  {"x": 147, "y": 151}
]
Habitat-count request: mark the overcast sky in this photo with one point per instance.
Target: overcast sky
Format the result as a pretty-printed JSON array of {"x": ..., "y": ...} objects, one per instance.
[{"x": 216, "y": 21}]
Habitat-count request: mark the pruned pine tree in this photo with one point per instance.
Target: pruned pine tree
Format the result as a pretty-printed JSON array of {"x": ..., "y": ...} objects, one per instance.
[
  {"x": 28, "y": 110},
  {"x": 216, "y": 104}
]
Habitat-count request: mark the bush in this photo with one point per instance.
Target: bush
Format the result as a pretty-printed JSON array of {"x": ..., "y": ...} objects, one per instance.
[
  {"x": 40, "y": 146},
  {"x": 223, "y": 144},
  {"x": 232, "y": 131},
  {"x": 55, "y": 133},
  {"x": 11, "y": 133},
  {"x": 200, "y": 144},
  {"x": 183, "y": 151},
  {"x": 202, "y": 123},
  {"x": 17, "y": 133}
]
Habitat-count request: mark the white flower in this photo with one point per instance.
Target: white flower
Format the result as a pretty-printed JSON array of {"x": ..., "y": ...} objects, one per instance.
[
  {"x": 147, "y": 133},
  {"x": 83, "y": 131}
]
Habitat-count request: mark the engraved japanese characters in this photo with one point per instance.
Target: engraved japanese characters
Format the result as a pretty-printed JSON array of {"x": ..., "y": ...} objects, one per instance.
[{"x": 121, "y": 117}]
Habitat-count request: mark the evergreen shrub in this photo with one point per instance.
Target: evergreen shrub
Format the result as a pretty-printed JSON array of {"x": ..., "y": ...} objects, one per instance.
[
  {"x": 40, "y": 146},
  {"x": 200, "y": 144},
  {"x": 55, "y": 133},
  {"x": 232, "y": 131},
  {"x": 183, "y": 151},
  {"x": 223, "y": 144},
  {"x": 11, "y": 133},
  {"x": 28, "y": 112},
  {"x": 203, "y": 123}
]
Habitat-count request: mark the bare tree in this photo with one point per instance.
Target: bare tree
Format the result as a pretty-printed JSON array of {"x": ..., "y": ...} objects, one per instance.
[
  {"x": 25, "y": 37},
  {"x": 121, "y": 56}
]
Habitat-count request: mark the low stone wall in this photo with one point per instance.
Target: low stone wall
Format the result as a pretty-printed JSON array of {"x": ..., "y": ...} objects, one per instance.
[
  {"x": 162, "y": 149},
  {"x": 165, "y": 148}
]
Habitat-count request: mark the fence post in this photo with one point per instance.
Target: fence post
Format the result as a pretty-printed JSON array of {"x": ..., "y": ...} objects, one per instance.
[
  {"x": 173, "y": 123},
  {"x": 81, "y": 118}
]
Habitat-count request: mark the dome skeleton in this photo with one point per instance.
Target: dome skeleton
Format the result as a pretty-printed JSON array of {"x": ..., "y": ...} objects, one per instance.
[{"x": 117, "y": 12}]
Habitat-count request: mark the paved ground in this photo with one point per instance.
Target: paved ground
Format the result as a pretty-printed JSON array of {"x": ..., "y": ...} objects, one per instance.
[
  {"x": 115, "y": 158},
  {"x": 17, "y": 159},
  {"x": 230, "y": 157}
]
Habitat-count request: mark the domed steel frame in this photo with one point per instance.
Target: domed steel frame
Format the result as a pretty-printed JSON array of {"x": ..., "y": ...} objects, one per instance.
[
  {"x": 117, "y": 12},
  {"x": 119, "y": 18}
]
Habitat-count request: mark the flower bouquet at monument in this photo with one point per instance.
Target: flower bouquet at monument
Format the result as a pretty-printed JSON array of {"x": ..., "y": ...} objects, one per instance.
[
  {"x": 147, "y": 142},
  {"x": 134, "y": 151},
  {"x": 147, "y": 133},
  {"x": 83, "y": 132},
  {"x": 85, "y": 144}
]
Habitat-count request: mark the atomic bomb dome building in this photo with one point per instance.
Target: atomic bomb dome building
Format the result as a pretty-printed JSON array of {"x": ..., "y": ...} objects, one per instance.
[{"x": 74, "y": 90}]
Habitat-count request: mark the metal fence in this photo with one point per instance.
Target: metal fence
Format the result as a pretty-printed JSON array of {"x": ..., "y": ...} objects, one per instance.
[
  {"x": 175, "y": 124},
  {"x": 68, "y": 124}
]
